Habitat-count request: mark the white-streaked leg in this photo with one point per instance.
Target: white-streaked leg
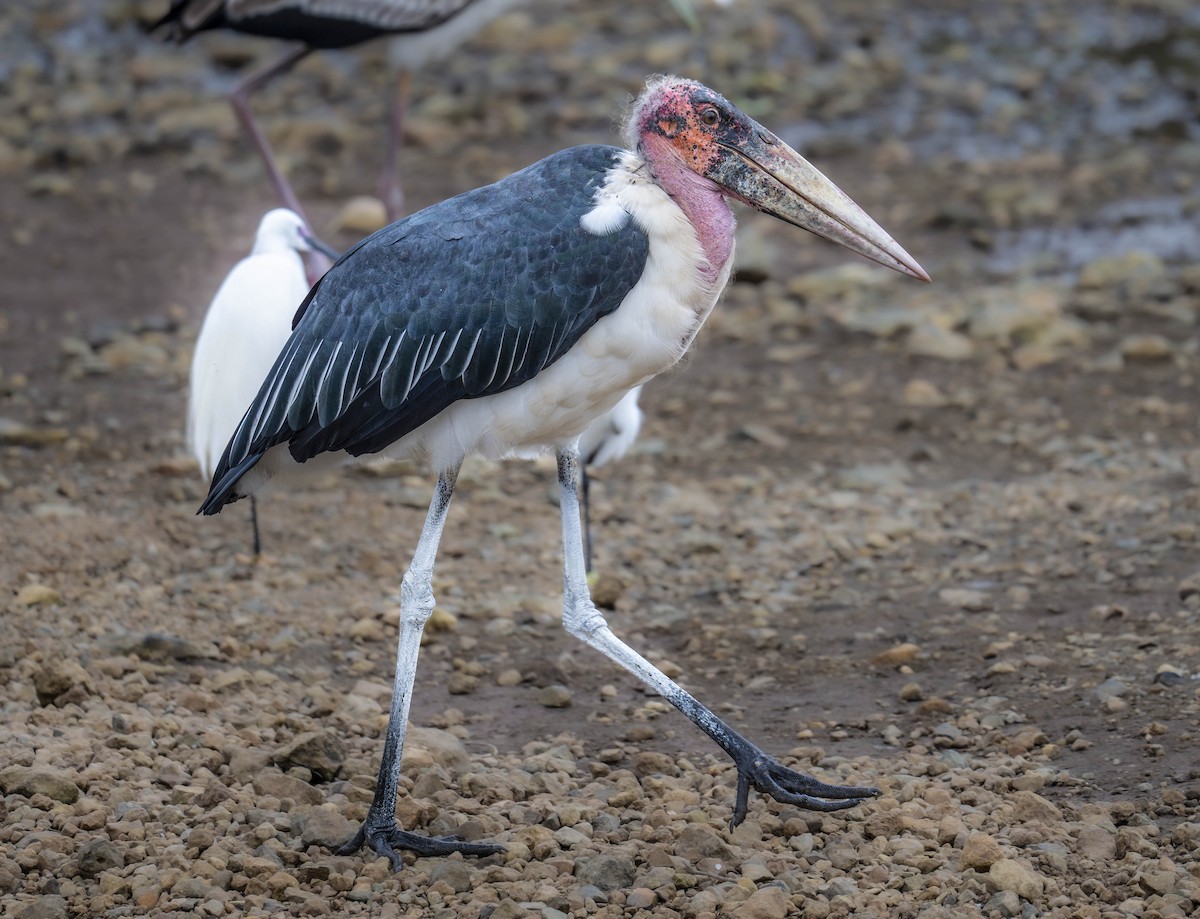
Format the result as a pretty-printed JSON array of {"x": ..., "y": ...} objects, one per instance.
[
  {"x": 380, "y": 830},
  {"x": 755, "y": 768}
]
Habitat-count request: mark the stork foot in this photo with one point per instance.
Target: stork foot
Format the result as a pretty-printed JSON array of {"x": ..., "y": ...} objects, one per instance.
[
  {"x": 386, "y": 838},
  {"x": 766, "y": 774}
]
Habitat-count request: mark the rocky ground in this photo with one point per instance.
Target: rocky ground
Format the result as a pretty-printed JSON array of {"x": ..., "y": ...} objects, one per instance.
[{"x": 939, "y": 539}]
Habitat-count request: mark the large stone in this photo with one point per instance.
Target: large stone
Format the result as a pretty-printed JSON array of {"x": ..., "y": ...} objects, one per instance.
[
  {"x": 324, "y": 825},
  {"x": 640, "y": 898},
  {"x": 318, "y": 751},
  {"x": 1010, "y": 874},
  {"x": 511, "y": 909},
  {"x": 696, "y": 841},
  {"x": 1148, "y": 348},
  {"x": 38, "y": 595},
  {"x": 607, "y": 872},
  {"x": 40, "y": 780},
  {"x": 766, "y": 903},
  {"x": 427, "y": 747},
  {"x": 923, "y": 394},
  {"x": 455, "y": 873},
  {"x": 287, "y": 786},
  {"x": 362, "y": 214},
  {"x": 246, "y": 763},
  {"x": 17, "y": 434},
  {"x": 1005, "y": 903},
  {"x": 897, "y": 655},
  {"x": 51, "y": 907},
  {"x": 97, "y": 855},
  {"x": 1016, "y": 313},
  {"x": 874, "y": 476},
  {"x": 1030, "y": 807},
  {"x": 973, "y": 601},
  {"x": 1135, "y": 272},
  {"x": 1096, "y": 844},
  {"x": 930, "y": 340},
  {"x": 61, "y": 681},
  {"x": 555, "y": 696},
  {"x": 981, "y": 851}
]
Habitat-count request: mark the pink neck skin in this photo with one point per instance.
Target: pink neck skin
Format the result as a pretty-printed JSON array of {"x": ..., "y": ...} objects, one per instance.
[{"x": 700, "y": 199}]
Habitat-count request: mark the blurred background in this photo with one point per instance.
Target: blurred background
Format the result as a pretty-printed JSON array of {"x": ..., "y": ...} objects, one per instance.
[{"x": 932, "y": 531}]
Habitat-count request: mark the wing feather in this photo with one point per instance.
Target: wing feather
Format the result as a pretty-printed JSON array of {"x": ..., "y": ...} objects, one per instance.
[{"x": 466, "y": 299}]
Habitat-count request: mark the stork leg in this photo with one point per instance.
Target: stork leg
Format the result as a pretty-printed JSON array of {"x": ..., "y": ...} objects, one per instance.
[
  {"x": 316, "y": 263},
  {"x": 390, "y": 189},
  {"x": 755, "y": 768},
  {"x": 380, "y": 830},
  {"x": 254, "y": 526}
]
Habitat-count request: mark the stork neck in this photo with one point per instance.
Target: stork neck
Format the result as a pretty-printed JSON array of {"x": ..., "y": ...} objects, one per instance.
[{"x": 699, "y": 198}]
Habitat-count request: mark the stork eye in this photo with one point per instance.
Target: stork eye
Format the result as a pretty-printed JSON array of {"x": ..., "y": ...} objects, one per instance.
[{"x": 710, "y": 116}]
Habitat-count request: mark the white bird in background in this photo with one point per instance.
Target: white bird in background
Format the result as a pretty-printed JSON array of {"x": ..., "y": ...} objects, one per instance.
[
  {"x": 243, "y": 332},
  {"x": 606, "y": 440}
]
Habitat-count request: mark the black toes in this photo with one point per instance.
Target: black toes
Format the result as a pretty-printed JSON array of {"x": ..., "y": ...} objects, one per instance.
[
  {"x": 353, "y": 844},
  {"x": 788, "y": 786},
  {"x": 389, "y": 840}
]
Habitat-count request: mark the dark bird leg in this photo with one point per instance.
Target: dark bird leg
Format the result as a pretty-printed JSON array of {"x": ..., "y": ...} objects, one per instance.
[
  {"x": 390, "y": 189},
  {"x": 238, "y": 98},
  {"x": 755, "y": 768},
  {"x": 254, "y": 526},
  {"x": 380, "y": 830},
  {"x": 316, "y": 263}
]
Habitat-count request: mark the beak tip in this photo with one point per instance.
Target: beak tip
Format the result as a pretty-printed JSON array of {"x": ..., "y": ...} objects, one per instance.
[{"x": 909, "y": 265}]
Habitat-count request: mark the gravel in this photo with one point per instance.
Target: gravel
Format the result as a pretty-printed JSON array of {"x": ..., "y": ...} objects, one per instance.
[{"x": 938, "y": 539}]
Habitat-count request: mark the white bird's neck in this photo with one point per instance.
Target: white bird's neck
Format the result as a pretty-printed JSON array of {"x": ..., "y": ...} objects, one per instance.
[{"x": 274, "y": 245}]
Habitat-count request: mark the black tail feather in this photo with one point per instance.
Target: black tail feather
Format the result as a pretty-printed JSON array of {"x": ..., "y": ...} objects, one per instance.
[{"x": 221, "y": 491}]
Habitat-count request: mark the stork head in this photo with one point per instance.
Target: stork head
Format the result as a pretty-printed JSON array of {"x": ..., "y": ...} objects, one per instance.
[
  {"x": 281, "y": 230},
  {"x": 682, "y": 127}
]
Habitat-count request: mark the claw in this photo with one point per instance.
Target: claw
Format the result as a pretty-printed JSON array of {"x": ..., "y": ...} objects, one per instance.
[
  {"x": 387, "y": 838},
  {"x": 790, "y": 787}
]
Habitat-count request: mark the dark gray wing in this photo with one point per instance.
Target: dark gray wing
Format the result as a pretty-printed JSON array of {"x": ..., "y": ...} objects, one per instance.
[
  {"x": 317, "y": 23},
  {"x": 468, "y": 298}
]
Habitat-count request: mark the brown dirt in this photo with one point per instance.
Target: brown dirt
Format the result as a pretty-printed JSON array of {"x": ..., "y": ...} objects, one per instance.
[{"x": 745, "y": 547}]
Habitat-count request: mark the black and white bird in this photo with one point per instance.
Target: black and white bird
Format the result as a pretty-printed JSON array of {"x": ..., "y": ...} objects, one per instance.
[
  {"x": 423, "y": 31},
  {"x": 504, "y": 321},
  {"x": 246, "y": 326}
]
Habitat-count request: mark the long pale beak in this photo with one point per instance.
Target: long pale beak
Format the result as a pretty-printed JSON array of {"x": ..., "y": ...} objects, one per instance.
[
  {"x": 767, "y": 174},
  {"x": 320, "y": 246}
]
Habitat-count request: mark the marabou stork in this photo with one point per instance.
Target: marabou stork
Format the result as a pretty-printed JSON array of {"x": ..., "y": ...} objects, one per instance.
[
  {"x": 508, "y": 318},
  {"x": 243, "y": 332}
]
